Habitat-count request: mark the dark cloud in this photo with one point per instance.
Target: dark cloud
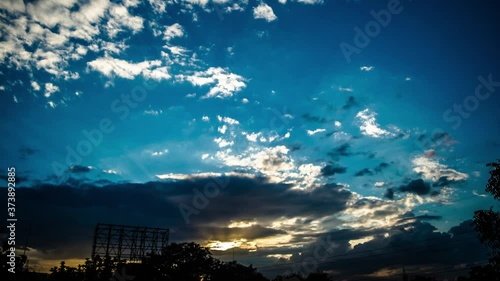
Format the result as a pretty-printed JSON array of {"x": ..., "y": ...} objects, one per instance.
[
  {"x": 294, "y": 147},
  {"x": 77, "y": 169},
  {"x": 311, "y": 118},
  {"x": 71, "y": 210},
  {"x": 227, "y": 233},
  {"x": 439, "y": 136},
  {"x": 444, "y": 181},
  {"x": 364, "y": 172},
  {"x": 411, "y": 216},
  {"x": 330, "y": 170},
  {"x": 417, "y": 245},
  {"x": 350, "y": 103},
  {"x": 389, "y": 193},
  {"x": 342, "y": 150},
  {"x": 416, "y": 186},
  {"x": 421, "y": 138},
  {"x": 381, "y": 167},
  {"x": 25, "y": 152}
]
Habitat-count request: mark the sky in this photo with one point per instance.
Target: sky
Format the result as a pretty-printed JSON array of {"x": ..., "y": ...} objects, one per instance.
[{"x": 267, "y": 128}]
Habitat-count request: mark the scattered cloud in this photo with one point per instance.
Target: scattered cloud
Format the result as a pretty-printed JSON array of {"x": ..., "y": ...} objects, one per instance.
[
  {"x": 369, "y": 125},
  {"x": 313, "y": 132},
  {"x": 264, "y": 11},
  {"x": 367, "y": 68},
  {"x": 224, "y": 84},
  {"x": 50, "y": 89}
]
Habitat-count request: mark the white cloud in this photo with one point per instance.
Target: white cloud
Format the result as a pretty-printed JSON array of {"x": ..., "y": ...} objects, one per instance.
[
  {"x": 244, "y": 100},
  {"x": 337, "y": 124},
  {"x": 264, "y": 11},
  {"x": 313, "y": 132},
  {"x": 367, "y": 68},
  {"x": 153, "y": 112},
  {"x": 369, "y": 125},
  {"x": 159, "y": 6},
  {"x": 222, "y": 129},
  {"x": 431, "y": 169},
  {"x": 282, "y": 1},
  {"x": 13, "y": 6},
  {"x": 252, "y": 136},
  {"x": 205, "y": 118},
  {"x": 120, "y": 18},
  {"x": 50, "y": 89},
  {"x": 159, "y": 153},
  {"x": 223, "y": 143},
  {"x": 228, "y": 120},
  {"x": 173, "y": 176},
  {"x": 226, "y": 84},
  {"x": 172, "y": 31},
  {"x": 111, "y": 67},
  {"x": 110, "y": 171},
  {"x": 348, "y": 89},
  {"x": 158, "y": 74},
  {"x": 35, "y": 86},
  {"x": 273, "y": 162},
  {"x": 204, "y": 156},
  {"x": 310, "y": 2}
]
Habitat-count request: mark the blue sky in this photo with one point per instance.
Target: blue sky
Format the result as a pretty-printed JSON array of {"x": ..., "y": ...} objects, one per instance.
[{"x": 116, "y": 94}]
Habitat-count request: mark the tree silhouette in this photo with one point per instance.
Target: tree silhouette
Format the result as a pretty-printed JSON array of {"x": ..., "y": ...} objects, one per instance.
[
  {"x": 487, "y": 222},
  {"x": 235, "y": 271}
]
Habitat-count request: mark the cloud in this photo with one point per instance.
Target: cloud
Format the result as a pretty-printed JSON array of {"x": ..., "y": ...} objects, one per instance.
[
  {"x": 364, "y": 172},
  {"x": 342, "y": 150},
  {"x": 381, "y": 167},
  {"x": 311, "y": 118},
  {"x": 369, "y": 125},
  {"x": 111, "y": 67},
  {"x": 366, "y": 68},
  {"x": 159, "y": 6},
  {"x": 205, "y": 119},
  {"x": 228, "y": 120},
  {"x": 224, "y": 84},
  {"x": 119, "y": 19},
  {"x": 310, "y": 2},
  {"x": 389, "y": 193},
  {"x": 50, "y": 89},
  {"x": 350, "y": 103},
  {"x": 78, "y": 169},
  {"x": 431, "y": 169},
  {"x": 153, "y": 112},
  {"x": 330, "y": 170},
  {"x": 223, "y": 143},
  {"x": 275, "y": 163},
  {"x": 313, "y": 132},
  {"x": 13, "y": 6},
  {"x": 264, "y": 11},
  {"x": 35, "y": 86},
  {"x": 173, "y": 31},
  {"x": 417, "y": 187},
  {"x": 347, "y": 89},
  {"x": 74, "y": 211}
]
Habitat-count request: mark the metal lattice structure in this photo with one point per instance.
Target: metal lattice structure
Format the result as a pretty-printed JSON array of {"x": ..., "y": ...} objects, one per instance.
[{"x": 131, "y": 243}]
